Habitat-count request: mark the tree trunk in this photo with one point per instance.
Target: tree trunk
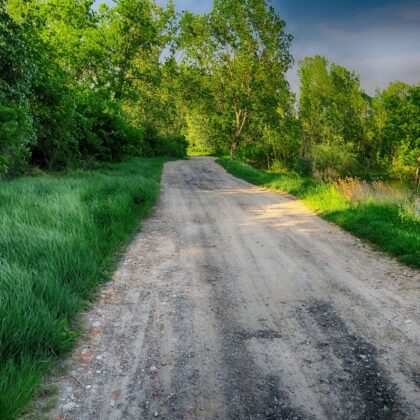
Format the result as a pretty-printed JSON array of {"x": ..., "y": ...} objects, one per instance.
[
  {"x": 233, "y": 147},
  {"x": 241, "y": 117}
]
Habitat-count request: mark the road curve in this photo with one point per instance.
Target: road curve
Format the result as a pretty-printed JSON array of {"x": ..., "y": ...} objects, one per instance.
[{"x": 239, "y": 303}]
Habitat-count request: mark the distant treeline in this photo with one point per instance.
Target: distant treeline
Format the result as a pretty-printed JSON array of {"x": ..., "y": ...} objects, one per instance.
[{"x": 80, "y": 85}]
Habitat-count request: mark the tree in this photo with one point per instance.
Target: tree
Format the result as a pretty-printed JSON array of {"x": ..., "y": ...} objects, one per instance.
[
  {"x": 332, "y": 113},
  {"x": 235, "y": 60},
  {"x": 100, "y": 78},
  {"x": 16, "y": 74},
  {"x": 314, "y": 93},
  {"x": 135, "y": 34},
  {"x": 397, "y": 126}
]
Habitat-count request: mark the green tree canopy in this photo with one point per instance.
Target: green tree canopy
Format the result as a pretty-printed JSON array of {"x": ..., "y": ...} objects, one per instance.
[{"x": 234, "y": 61}]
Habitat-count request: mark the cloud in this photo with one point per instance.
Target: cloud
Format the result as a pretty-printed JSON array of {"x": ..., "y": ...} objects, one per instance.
[
  {"x": 377, "y": 39},
  {"x": 380, "y": 70},
  {"x": 376, "y": 72}
]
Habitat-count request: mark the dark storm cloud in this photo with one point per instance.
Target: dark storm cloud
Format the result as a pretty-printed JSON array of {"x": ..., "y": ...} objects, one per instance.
[
  {"x": 378, "y": 39},
  {"x": 339, "y": 9}
]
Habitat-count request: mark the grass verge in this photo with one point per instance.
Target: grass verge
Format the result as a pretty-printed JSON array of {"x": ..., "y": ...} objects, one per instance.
[
  {"x": 59, "y": 238},
  {"x": 389, "y": 227}
]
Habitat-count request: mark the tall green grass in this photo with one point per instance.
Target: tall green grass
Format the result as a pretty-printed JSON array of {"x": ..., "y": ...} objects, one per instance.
[
  {"x": 59, "y": 237},
  {"x": 390, "y": 227}
]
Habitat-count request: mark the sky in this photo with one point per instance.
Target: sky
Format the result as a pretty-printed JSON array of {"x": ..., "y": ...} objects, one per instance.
[{"x": 379, "y": 39}]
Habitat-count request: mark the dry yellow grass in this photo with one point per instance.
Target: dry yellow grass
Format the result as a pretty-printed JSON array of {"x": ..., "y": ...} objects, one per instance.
[{"x": 354, "y": 189}]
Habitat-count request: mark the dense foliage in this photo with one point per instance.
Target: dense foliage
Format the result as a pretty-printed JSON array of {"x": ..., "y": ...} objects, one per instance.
[
  {"x": 231, "y": 57},
  {"x": 76, "y": 83},
  {"x": 237, "y": 99},
  {"x": 80, "y": 85},
  {"x": 344, "y": 131}
]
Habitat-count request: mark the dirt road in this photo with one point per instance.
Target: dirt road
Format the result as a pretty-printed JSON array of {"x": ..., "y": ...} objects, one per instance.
[{"x": 239, "y": 303}]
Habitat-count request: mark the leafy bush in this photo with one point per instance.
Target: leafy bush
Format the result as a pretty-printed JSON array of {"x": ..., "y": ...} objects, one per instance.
[
  {"x": 402, "y": 171},
  {"x": 303, "y": 165},
  {"x": 53, "y": 111},
  {"x": 106, "y": 134},
  {"x": 333, "y": 161},
  {"x": 16, "y": 134},
  {"x": 172, "y": 146}
]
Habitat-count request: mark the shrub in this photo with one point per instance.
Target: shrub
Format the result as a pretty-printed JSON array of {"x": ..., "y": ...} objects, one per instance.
[
  {"x": 303, "y": 165},
  {"x": 103, "y": 132},
  {"x": 332, "y": 161},
  {"x": 16, "y": 134},
  {"x": 114, "y": 137},
  {"x": 172, "y": 146},
  {"x": 52, "y": 107}
]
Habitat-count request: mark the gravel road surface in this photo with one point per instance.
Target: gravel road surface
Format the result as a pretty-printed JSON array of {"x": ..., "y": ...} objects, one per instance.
[{"x": 239, "y": 303}]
